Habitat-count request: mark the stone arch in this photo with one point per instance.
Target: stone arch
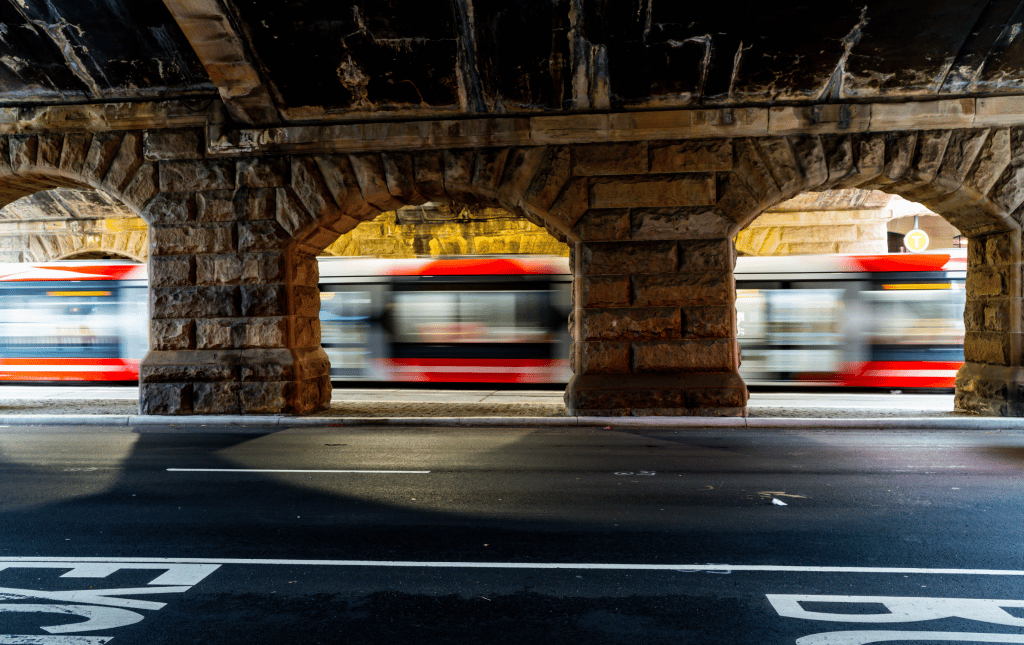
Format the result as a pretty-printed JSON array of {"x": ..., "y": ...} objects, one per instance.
[
  {"x": 973, "y": 178},
  {"x": 112, "y": 162},
  {"x": 329, "y": 195}
]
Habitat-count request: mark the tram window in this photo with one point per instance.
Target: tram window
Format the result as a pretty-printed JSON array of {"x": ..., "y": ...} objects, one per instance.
[
  {"x": 790, "y": 331},
  {"x": 918, "y": 317},
  {"x": 345, "y": 325},
  {"x": 442, "y": 317},
  {"x": 61, "y": 319}
]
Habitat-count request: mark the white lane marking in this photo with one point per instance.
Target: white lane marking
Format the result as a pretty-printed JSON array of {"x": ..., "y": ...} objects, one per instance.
[
  {"x": 899, "y": 609},
  {"x": 686, "y": 568},
  {"x": 260, "y": 470},
  {"x": 98, "y": 617},
  {"x": 16, "y": 639},
  {"x": 862, "y": 638}
]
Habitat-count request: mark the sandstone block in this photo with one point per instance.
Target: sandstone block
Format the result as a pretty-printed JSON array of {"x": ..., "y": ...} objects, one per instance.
[
  {"x": 604, "y": 225},
  {"x": 216, "y": 398},
  {"x": 370, "y": 175},
  {"x": 219, "y": 333},
  {"x": 603, "y": 291},
  {"x": 24, "y": 151},
  {"x": 168, "y": 210},
  {"x": 192, "y": 302},
  {"x": 769, "y": 168},
  {"x": 736, "y": 201},
  {"x": 633, "y": 323},
  {"x": 993, "y": 348},
  {"x": 193, "y": 176},
  {"x": 626, "y": 258},
  {"x": 994, "y": 157},
  {"x": 986, "y": 281},
  {"x": 810, "y": 154},
  {"x": 552, "y": 176},
  {"x": 172, "y": 271},
  {"x": 570, "y": 205},
  {"x": 604, "y": 358},
  {"x": 264, "y": 300},
  {"x": 521, "y": 166},
  {"x": 717, "y": 355},
  {"x": 165, "y": 398},
  {"x": 256, "y": 204},
  {"x": 699, "y": 256},
  {"x": 305, "y": 300},
  {"x": 186, "y": 372},
  {"x": 490, "y": 166},
  {"x": 291, "y": 214},
  {"x": 709, "y": 322},
  {"x": 263, "y": 172},
  {"x": 458, "y": 175},
  {"x": 221, "y": 269},
  {"x": 263, "y": 268},
  {"x": 683, "y": 289},
  {"x": 173, "y": 144},
  {"x": 679, "y": 223},
  {"x": 305, "y": 331},
  {"x": 215, "y": 206},
  {"x": 124, "y": 164},
  {"x": 663, "y": 191},
  {"x": 266, "y": 333},
  {"x": 265, "y": 398},
  {"x": 428, "y": 169},
  {"x": 341, "y": 181},
  {"x": 261, "y": 236},
  {"x": 691, "y": 156},
  {"x": 142, "y": 188},
  {"x": 720, "y": 394},
  {"x": 49, "y": 149},
  {"x": 167, "y": 240},
  {"x": 73, "y": 154},
  {"x": 399, "y": 175},
  {"x": 172, "y": 334},
  {"x": 1000, "y": 249},
  {"x": 611, "y": 159}
]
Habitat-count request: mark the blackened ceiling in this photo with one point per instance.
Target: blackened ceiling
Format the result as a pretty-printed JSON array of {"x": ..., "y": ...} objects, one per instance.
[{"x": 367, "y": 59}]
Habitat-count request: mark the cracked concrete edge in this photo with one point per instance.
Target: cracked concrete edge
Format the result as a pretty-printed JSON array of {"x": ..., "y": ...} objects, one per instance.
[{"x": 736, "y": 423}]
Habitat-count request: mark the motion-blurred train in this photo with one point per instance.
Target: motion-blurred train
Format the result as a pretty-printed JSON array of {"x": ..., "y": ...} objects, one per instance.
[{"x": 887, "y": 321}]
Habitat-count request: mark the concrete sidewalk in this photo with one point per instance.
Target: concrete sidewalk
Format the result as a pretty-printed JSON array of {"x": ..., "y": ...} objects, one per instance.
[{"x": 118, "y": 406}]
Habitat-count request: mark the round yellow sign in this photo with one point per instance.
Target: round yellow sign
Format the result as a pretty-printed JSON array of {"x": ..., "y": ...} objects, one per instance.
[{"x": 916, "y": 240}]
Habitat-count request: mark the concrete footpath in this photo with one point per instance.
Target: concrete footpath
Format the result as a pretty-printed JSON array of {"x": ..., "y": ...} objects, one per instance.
[{"x": 118, "y": 406}]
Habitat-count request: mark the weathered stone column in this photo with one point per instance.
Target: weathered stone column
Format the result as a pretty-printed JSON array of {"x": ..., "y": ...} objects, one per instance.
[
  {"x": 654, "y": 325},
  {"x": 233, "y": 304},
  {"x": 991, "y": 381}
]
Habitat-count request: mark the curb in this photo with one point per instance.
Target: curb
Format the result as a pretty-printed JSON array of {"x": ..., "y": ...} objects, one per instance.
[{"x": 735, "y": 423}]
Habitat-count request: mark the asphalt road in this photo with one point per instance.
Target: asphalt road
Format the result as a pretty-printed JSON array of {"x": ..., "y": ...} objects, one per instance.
[{"x": 349, "y": 535}]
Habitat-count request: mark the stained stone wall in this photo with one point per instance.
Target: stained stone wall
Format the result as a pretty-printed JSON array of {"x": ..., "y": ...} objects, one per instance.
[
  {"x": 234, "y": 230},
  {"x": 834, "y": 221}
]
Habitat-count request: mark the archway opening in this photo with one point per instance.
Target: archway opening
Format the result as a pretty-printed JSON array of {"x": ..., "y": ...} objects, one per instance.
[
  {"x": 71, "y": 223},
  {"x": 443, "y": 294},
  {"x": 827, "y": 305}
]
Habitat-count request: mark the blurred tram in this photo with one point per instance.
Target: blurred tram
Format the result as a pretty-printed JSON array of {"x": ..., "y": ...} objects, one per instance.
[
  {"x": 874, "y": 321},
  {"x": 887, "y": 321}
]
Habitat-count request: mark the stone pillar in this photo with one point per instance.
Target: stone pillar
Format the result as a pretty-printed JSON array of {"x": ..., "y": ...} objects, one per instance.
[
  {"x": 991, "y": 381},
  {"x": 234, "y": 306},
  {"x": 654, "y": 329}
]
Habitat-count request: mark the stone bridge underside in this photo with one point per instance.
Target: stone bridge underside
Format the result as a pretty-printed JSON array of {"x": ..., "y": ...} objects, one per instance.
[{"x": 250, "y": 134}]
